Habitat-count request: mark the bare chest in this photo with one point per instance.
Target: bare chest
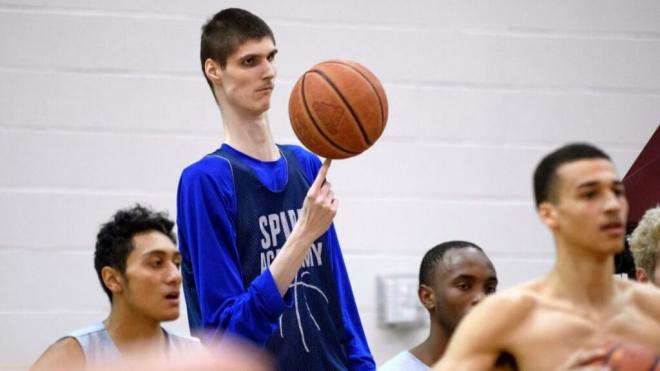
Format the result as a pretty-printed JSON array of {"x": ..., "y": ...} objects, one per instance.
[{"x": 545, "y": 339}]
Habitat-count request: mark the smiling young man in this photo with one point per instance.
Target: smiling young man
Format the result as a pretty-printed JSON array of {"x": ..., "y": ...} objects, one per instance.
[
  {"x": 260, "y": 255},
  {"x": 137, "y": 263},
  {"x": 454, "y": 276},
  {"x": 566, "y": 319}
]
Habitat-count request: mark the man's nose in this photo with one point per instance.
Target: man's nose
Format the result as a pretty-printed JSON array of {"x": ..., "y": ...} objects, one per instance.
[
  {"x": 174, "y": 274},
  {"x": 614, "y": 202},
  {"x": 478, "y": 297},
  {"x": 269, "y": 70}
]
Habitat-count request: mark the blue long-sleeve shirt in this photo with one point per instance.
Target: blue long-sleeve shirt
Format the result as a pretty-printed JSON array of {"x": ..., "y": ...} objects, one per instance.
[{"x": 217, "y": 296}]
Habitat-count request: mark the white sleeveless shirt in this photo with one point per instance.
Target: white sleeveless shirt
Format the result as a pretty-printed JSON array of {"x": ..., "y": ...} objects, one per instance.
[{"x": 97, "y": 345}]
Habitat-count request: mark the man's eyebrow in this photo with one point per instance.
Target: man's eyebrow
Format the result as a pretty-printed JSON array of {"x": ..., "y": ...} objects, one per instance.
[
  {"x": 246, "y": 56},
  {"x": 594, "y": 183},
  {"x": 588, "y": 184},
  {"x": 252, "y": 55},
  {"x": 160, "y": 252}
]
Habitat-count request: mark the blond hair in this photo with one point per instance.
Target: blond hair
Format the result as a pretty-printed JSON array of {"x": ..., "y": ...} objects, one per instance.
[{"x": 645, "y": 241}]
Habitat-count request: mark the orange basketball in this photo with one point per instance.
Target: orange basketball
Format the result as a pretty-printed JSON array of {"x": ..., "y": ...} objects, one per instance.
[
  {"x": 632, "y": 357},
  {"x": 338, "y": 109}
]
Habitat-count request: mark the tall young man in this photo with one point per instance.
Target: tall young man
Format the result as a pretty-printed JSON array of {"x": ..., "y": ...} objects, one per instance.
[
  {"x": 580, "y": 305},
  {"x": 454, "y": 276},
  {"x": 260, "y": 256},
  {"x": 137, "y": 263}
]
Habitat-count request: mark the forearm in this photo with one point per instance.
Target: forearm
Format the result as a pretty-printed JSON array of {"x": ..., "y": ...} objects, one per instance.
[
  {"x": 318, "y": 210},
  {"x": 252, "y": 314},
  {"x": 288, "y": 261}
]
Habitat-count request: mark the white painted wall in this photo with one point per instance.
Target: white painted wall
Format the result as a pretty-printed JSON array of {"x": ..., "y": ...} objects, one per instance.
[{"x": 102, "y": 103}]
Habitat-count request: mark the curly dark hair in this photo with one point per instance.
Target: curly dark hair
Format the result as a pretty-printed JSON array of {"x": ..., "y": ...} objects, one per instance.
[{"x": 115, "y": 238}]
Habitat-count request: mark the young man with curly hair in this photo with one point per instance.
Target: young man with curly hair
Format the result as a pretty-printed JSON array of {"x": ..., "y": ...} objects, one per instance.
[{"x": 138, "y": 266}]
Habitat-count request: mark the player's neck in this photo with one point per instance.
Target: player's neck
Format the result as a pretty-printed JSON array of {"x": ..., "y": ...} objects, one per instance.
[
  {"x": 582, "y": 276},
  {"x": 430, "y": 351},
  {"x": 250, "y": 134},
  {"x": 129, "y": 331}
]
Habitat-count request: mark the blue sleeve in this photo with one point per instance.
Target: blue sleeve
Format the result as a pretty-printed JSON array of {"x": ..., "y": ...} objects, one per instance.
[
  {"x": 206, "y": 208},
  {"x": 352, "y": 334}
]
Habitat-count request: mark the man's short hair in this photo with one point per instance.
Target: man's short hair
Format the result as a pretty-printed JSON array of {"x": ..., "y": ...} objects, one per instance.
[
  {"x": 545, "y": 175},
  {"x": 645, "y": 239},
  {"x": 114, "y": 242},
  {"x": 223, "y": 34},
  {"x": 434, "y": 255}
]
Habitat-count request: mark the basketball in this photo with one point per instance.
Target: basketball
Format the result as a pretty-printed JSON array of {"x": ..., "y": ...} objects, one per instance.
[
  {"x": 632, "y": 357},
  {"x": 338, "y": 109}
]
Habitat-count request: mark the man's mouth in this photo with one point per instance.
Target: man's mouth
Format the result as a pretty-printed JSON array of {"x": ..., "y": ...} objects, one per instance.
[
  {"x": 173, "y": 296},
  {"x": 613, "y": 228}
]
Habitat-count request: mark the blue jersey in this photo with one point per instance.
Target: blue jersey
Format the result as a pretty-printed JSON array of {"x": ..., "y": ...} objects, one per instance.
[{"x": 234, "y": 214}]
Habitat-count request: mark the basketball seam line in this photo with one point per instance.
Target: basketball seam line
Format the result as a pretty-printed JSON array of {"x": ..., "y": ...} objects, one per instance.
[
  {"x": 318, "y": 128},
  {"x": 382, "y": 108},
  {"x": 655, "y": 364},
  {"x": 343, "y": 99}
]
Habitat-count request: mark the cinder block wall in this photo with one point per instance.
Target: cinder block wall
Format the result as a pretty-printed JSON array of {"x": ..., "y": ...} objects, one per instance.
[{"x": 103, "y": 103}]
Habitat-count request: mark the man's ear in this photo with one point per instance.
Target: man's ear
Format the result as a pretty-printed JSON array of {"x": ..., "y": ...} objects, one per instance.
[
  {"x": 112, "y": 279},
  {"x": 548, "y": 214},
  {"x": 213, "y": 71},
  {"x": 640, "y": 275},
  {"x": 426, "y": 297}
]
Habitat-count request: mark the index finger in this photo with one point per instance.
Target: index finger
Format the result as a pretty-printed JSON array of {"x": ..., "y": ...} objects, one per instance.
[{"x": 323, "y": 172}]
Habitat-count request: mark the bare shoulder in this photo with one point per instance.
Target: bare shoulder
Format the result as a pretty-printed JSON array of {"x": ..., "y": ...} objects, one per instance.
[
  {"x": 496, "y": 319},
  {"x": 64, "y": 354},
  {"x": 514, "y": 303},
  {"x": 487, "y": 330},
  {"x": 644, "y": 296}
]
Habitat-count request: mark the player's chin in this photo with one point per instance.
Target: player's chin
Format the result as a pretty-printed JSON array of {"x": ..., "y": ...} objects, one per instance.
[
  {"x": 261, "y": 105},
  {"x": 169, "y": 314},
  {"x": 613, "y": 245},
  {"x": 264, "y": 102}
]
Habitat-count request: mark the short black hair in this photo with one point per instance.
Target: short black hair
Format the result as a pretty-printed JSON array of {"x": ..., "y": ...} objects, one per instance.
[
  {"x": 435, "y": 254},
  {"x": 545, "y": 175},
  {"x": 226, "y": 31},
  {"x": 114, "y": 242}
]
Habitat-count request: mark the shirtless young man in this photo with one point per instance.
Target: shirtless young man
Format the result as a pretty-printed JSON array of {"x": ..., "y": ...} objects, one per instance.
[{"x": 565, "y": 319}]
